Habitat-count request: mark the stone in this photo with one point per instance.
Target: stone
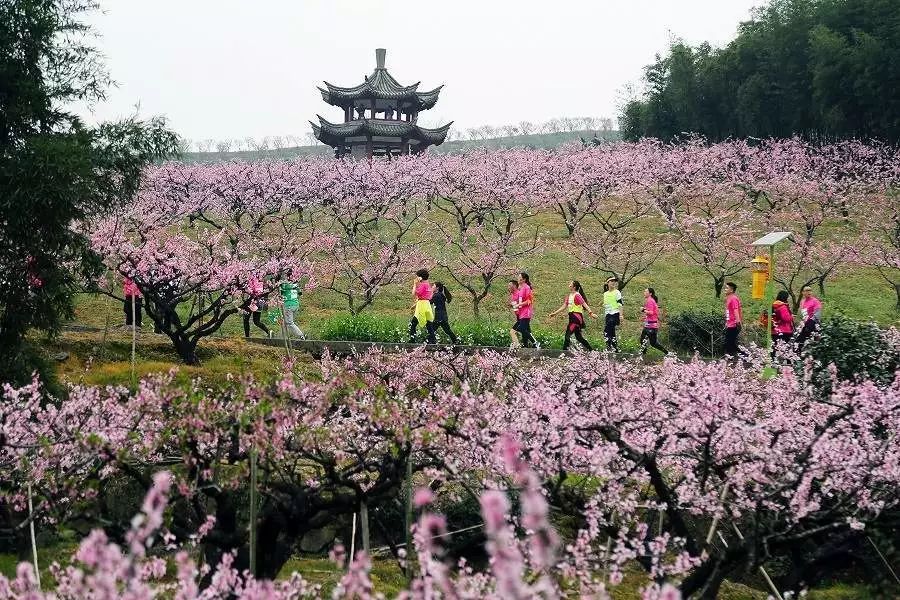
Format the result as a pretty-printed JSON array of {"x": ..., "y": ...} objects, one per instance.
[
  {"x": 61, "y": 356},
  {"x": 318, "y": 540}
]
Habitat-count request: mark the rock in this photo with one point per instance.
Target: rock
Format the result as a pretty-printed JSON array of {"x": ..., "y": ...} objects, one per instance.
[
  {"x": 318, "y": 540},
  {"x": 61, "y": 356}
]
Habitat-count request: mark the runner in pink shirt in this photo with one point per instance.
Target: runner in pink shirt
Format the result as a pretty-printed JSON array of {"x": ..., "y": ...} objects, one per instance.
[
  {"x": 254, "y": 306},
  {"x": 132, "y": 300},
  {"x": 523, "y": 307},
  {"x": 733, "y": 318},
  {"x": 651, "y": 322},
  {"x": 810, "y": 315},
  {"x": 423, "y": 312}
]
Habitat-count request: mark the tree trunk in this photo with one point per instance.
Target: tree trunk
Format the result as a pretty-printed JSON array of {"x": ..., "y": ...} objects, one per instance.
[
  {"x": 224, "y": 538},
  {"x": 476, "y": 303},
  {"x": 897, "y": 291},
  {"x": 186, "y": 349},
  {"x": 718, "y": 284}
]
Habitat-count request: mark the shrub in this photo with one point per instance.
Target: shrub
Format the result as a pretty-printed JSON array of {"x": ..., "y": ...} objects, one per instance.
[
  {"x": 699, "y": 330},
  {"x": 703, "y": 330},
  {"x": 858, "y": 350},
  {"x": 372, "y": 328},
  {"x": 364, "y": 328}
]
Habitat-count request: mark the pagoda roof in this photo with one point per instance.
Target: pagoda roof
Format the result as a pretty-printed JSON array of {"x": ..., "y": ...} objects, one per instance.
[
  {"x": 380, "y": 85},
  {"x": 335, "y": 133}
]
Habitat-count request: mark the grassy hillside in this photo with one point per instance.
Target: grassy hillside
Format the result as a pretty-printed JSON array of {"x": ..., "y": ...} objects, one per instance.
[
  {"x": 859, "y": 293},
  {"x": 536, "y": 140}
]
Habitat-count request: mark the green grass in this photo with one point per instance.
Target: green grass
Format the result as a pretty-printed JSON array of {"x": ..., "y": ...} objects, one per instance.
[
  {"x": 858, "y": 293},
  {"x": 93, "y": 362},
  {"x": 388, "y": 579}
]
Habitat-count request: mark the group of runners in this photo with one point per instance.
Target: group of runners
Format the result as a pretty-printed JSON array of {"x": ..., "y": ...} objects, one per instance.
[
  {"x": 787, "y": 330},
  {"x": 430, "y": 302},
  {"x": 430, "y": 313}
]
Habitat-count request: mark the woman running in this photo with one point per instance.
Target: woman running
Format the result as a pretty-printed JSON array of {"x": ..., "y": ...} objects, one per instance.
[
  {"x": 523, "y": 306},
  {"x": 810, "y": 315},
  {"x": 255, "y": 305},
  {"x": 576, "y": 304},
  {"x": 439, "y": 300},
  {"x": 423, "y": 313},
  {"x": 612, "y": 307},
  {"x": 651, "y": 322},
  {"x": 782, "y": 322}
]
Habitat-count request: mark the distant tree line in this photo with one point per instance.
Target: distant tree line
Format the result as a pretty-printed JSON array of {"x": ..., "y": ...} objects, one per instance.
[
  {"x": 483, "y": 132},
  {"x": 815, "y": 68},
  {"x": 555, "y": 125}
]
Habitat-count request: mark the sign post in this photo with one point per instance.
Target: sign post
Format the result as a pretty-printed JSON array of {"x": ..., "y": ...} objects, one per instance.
[{"x": 770, "y": 240}]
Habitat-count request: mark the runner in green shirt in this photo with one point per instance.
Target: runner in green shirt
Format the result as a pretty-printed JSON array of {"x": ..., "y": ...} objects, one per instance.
[{"x": 290, "y": 296}]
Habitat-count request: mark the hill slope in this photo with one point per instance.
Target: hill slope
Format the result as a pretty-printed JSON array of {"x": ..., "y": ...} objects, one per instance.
[{"x": 536, "y": 140}]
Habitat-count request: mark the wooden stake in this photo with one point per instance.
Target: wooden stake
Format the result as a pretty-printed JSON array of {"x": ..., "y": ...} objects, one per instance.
[
  {"x": 762, "y": 569},
  {"x": 364, "y": 525},
  {"x": 715, "y": 521},
  {"x": 353, "y": 539},
  {"x": 37, "y": 571},
  {"x": 884, "y": 560},
  {"x": 133, "y": 337},
  {"x": 409, "y": 516},
  {"x": 253, "y": 508}
]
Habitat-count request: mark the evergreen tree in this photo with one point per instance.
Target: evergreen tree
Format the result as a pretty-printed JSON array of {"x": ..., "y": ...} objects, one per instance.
[
  {"x": 54, "y": 169},
  {"x": 816, "y": 68}
]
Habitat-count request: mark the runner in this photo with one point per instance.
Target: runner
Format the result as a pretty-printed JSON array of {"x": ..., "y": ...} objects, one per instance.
[
  {"x": 439, "y": 300},
  {"x": 733, "y": 318},
  {"x": 651, "y": 322},
  {"x": 575, "y": 303},
  {"x": 524, "y": 310},
  {"x": 254, "y": 306},
  {"x": 782, "y": 322},
  {"x": 612, "y": 308},
  {"x": 133, "y": 300},
  {"x": 810, "y": 316},
  {"x": 290, "y": 295},
  {"x": 423, "y": 313}
]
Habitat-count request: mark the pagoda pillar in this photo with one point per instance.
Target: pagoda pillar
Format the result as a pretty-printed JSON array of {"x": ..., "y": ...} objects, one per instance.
[
  {"x": 373, "y": 108},
  {"x": 369, "y": 152}
]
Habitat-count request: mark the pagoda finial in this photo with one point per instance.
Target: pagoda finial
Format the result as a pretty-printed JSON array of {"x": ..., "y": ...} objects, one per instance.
[{"x": 379, "y": 57}]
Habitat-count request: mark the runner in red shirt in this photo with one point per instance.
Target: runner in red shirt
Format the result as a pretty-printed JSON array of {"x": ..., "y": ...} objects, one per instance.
[
  {"x": 523, "y": 307},
  {"x": 733, "y": 318},
  {"x": 810, "y": 315},
  {"x": 651, "y": 322},
  {"x": 782, "y": 322}
]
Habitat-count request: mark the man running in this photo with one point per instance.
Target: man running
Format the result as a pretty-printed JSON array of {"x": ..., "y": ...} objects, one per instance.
[{"x": 733, "y": 318}]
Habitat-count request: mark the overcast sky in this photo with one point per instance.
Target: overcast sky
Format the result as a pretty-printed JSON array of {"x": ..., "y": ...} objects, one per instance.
[{"x": 236, "y": 68}]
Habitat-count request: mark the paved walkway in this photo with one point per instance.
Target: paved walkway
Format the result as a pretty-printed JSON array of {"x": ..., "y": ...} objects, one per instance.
[{"x": 343, "y": 348}]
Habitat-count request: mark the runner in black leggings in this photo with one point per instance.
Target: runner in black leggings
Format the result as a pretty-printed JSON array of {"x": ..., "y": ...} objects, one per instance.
[
  {"x": 575, "y": 303},
  {"x": 441, "y": 298}
]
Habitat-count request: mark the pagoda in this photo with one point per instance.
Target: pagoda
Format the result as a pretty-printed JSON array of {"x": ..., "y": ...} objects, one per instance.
[{"x": 379, "y": 116}]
